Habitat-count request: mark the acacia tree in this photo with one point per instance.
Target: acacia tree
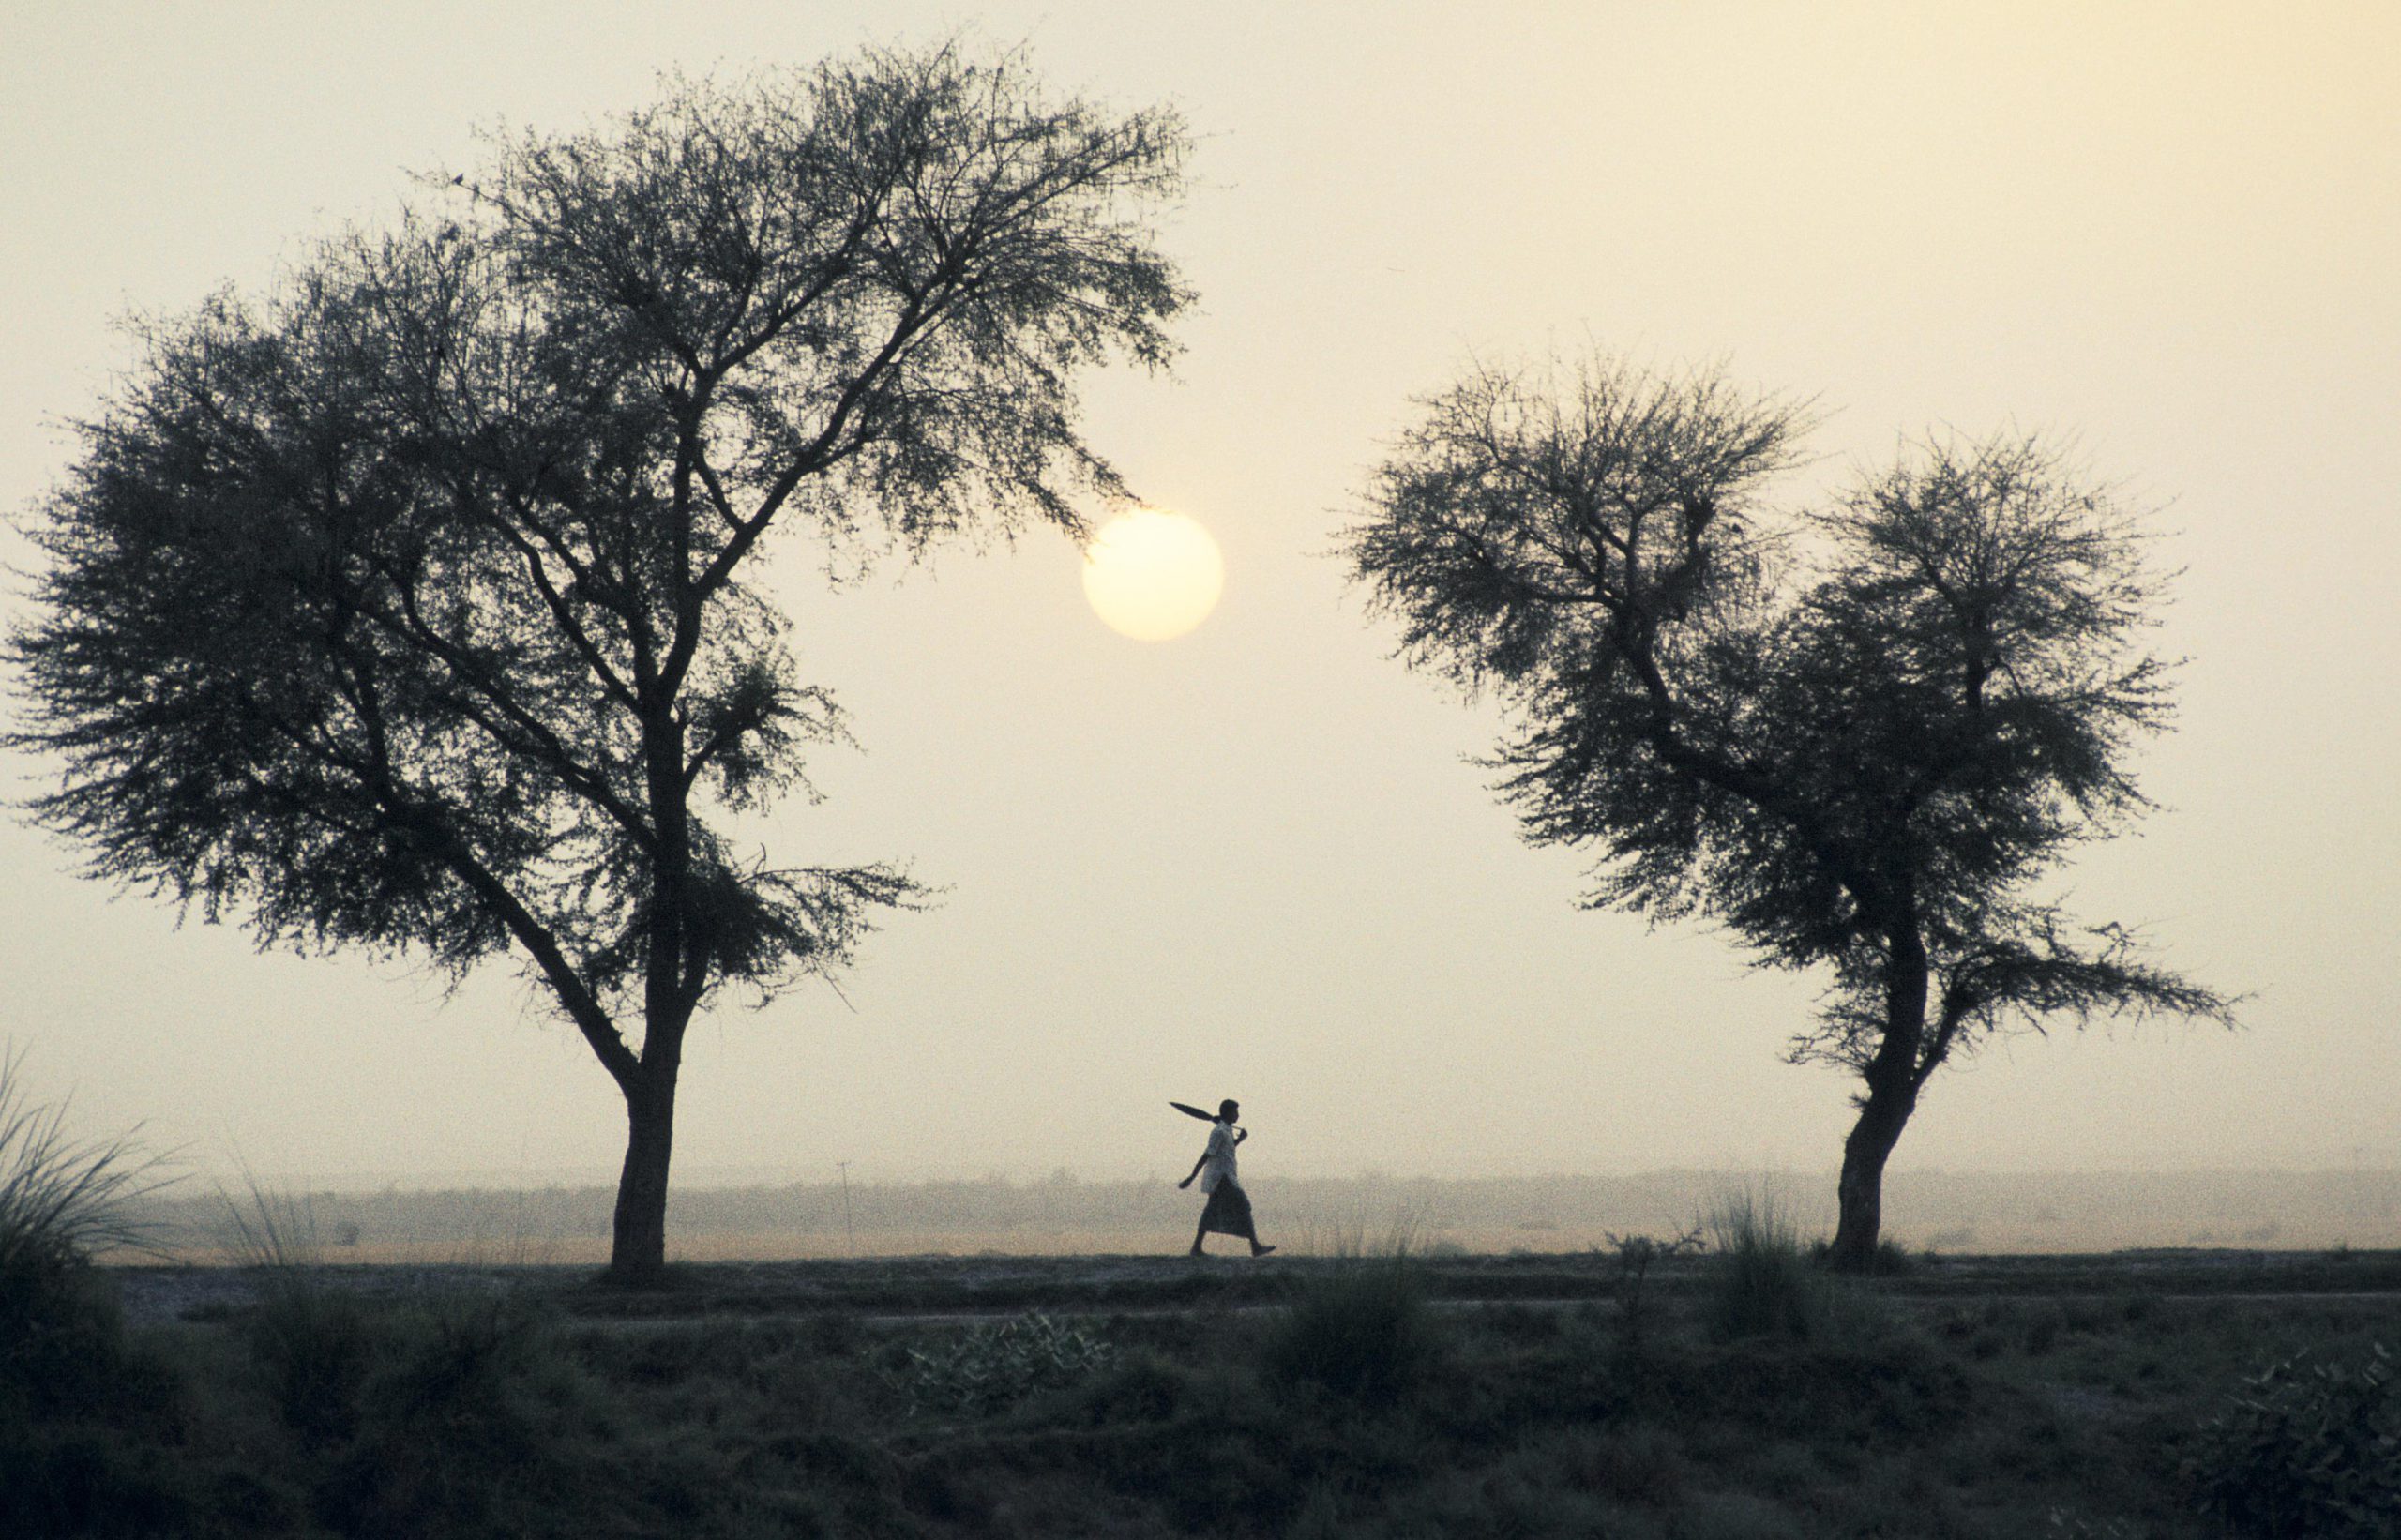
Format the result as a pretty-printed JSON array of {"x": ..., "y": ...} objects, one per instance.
[
  {"x": 412, "y": 607},
  {"x": 1855, "y": 737}
]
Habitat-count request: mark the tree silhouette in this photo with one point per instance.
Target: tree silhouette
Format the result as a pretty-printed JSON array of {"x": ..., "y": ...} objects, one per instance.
[
  {"x": 412, "y": 607},
  {"x": 1854, "y": 737}
]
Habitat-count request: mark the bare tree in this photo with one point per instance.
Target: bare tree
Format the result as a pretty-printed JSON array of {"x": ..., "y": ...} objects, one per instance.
[
  {"x": 411, "y": 608},
  {"x": 1856, "y": 737}
]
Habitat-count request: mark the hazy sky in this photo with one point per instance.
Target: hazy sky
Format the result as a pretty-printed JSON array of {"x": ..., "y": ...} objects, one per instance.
[{"x": 1254, "y": 862}]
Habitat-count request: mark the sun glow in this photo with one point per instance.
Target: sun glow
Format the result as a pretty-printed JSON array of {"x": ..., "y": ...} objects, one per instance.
[{"x": 1153, "y": 575}]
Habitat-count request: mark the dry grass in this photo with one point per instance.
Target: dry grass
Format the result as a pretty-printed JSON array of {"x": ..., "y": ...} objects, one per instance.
[
  {"x": 63, "y": 1198},
  {"x": 765, "y": 1401}
]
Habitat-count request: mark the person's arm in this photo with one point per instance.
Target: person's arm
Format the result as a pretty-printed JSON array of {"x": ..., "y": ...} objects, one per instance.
[
  {"x": 1195, "y": 1169},
  {"x": 1241, "y": 1134}
]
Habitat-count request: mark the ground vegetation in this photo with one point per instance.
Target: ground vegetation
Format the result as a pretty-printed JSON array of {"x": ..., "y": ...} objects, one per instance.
[{"x": 1341, "y": 1395}]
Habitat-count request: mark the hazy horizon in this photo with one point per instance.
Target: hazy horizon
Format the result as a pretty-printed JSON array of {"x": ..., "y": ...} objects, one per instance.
[
  {"x": 500, "y": 1179},
  {"x": 1956, "y": 1212},
  {"x": 1257, "y": 861}
]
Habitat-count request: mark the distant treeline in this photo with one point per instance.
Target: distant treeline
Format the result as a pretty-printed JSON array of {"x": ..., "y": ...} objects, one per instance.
[{"x": 1946, "y": 1211}]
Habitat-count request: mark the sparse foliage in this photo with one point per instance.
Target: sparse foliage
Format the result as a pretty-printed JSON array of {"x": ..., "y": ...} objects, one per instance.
[
  {"x": 2307, "y": 1447},
  {"x": 1635, "y": 1256},
  {"x": 1854, "y": 737},
  {"x": 987, "y": 1370},
  {"x": 414, "y": 606}
]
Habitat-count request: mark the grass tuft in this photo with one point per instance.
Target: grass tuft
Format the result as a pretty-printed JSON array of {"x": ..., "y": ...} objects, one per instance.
[
  {"x": 1357, "y": 1326},
  {"x": 84, "y": 1412},
  {"x": 63, "y": 1202},
  {"x": 1761, "y": 1281}
]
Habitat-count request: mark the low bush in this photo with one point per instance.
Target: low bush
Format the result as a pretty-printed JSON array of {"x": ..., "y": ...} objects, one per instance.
[
  {"x": 79, "y": 1477},
  {"x": 2305, "y": 1448},
  {"x": 1143, "y": 1387},
  {"x": 62, "y": 1340},
  {"x": 1359, "y": 1327},
  {"x": 312, "y": 1348},
  {"x": 432, "y": 1413},
  {"x": 465, "y": 1415},
  {"x": 1635, "y": 1256},
  {"x": 990, "y": 1368}
]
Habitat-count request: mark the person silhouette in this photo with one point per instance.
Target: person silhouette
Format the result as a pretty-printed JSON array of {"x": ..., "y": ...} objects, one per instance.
[{"x": 1228, "y": 1211}]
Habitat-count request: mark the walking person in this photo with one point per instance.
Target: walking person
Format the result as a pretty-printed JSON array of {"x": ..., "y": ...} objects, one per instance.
[{"x": 1228, "y": 1211}]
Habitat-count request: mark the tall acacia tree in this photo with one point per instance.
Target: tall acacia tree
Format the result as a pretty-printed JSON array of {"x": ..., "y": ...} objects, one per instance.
[
  {"x": 413, "y": 606},
  {"x": 1857, "y": 738}
]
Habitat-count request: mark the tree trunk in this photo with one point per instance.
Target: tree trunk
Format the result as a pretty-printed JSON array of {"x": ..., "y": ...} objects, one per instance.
[
  {"x": 1861, "y": 1191},
  {"x": 1892, "y": 1082},
  {"x": 638, "y": 1251}
]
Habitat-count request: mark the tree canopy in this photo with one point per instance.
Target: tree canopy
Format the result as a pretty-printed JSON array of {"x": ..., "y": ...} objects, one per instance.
[
  {"x": 1857, "y": 736},
  {"x": 411, "y": 606}
]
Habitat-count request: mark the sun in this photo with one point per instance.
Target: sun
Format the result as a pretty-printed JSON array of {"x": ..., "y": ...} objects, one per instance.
[{"x": 1153, "y": 575}]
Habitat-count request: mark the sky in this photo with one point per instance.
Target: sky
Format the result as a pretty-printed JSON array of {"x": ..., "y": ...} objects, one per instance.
[{"x": 1258, "y": 861}]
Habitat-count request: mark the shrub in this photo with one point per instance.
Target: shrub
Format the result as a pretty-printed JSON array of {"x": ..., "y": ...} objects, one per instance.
[
  {"x": 458, "y": 1360},
  {"x": 2305, "y": 1449},
  {"x": 426, "y": 1412},
  {"x": 458, "y": 1414},
  {"x": 368, "y": 1375},
  {"x": 1142, "y": 1387},
  {"x": 2064, "y": 1525},
  {"x": 76, "y": 1477},
  {"x": 1760, "y": 1283},
  {"x": 61, "y": 1336},
  {"x": 312, "y": 1348},
  {"x": 62, "y": 1201},
  {"x": 1359, "y": 1326},
  {"x": 1636, "y": 1254},
  {"x": 990, "y": 1368},
  {"x": 1625, "y": 1461}
]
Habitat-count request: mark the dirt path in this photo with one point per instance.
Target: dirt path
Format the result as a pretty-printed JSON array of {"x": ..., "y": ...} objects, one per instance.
[{"x": 945, "y": 1289}]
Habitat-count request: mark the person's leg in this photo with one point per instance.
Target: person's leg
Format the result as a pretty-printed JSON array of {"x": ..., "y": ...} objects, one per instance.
[
  {"x": 1198, "y": 1233},
  {"x": 1250, "y": 1229}
]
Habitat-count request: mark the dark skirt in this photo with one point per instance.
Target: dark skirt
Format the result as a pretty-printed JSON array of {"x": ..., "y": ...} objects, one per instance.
[{"x": 1227, "y": 1213}]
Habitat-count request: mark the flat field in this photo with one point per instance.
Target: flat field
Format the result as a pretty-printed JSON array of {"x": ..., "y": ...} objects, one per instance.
[{"x": 1738, "y": 1393}]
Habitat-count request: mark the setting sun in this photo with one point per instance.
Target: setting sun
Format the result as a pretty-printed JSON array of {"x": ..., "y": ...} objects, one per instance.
[
  {"x": 1152, "y": 575},
  {"x": 1765, "y": 782}
]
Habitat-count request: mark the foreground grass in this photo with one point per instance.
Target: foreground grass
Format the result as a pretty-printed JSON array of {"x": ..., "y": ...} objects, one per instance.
[{"x": 1357, "y": 1401}]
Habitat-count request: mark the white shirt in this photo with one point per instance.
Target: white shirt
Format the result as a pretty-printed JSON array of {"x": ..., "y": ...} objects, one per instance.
[{"x": 1217, "y": 1165}]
